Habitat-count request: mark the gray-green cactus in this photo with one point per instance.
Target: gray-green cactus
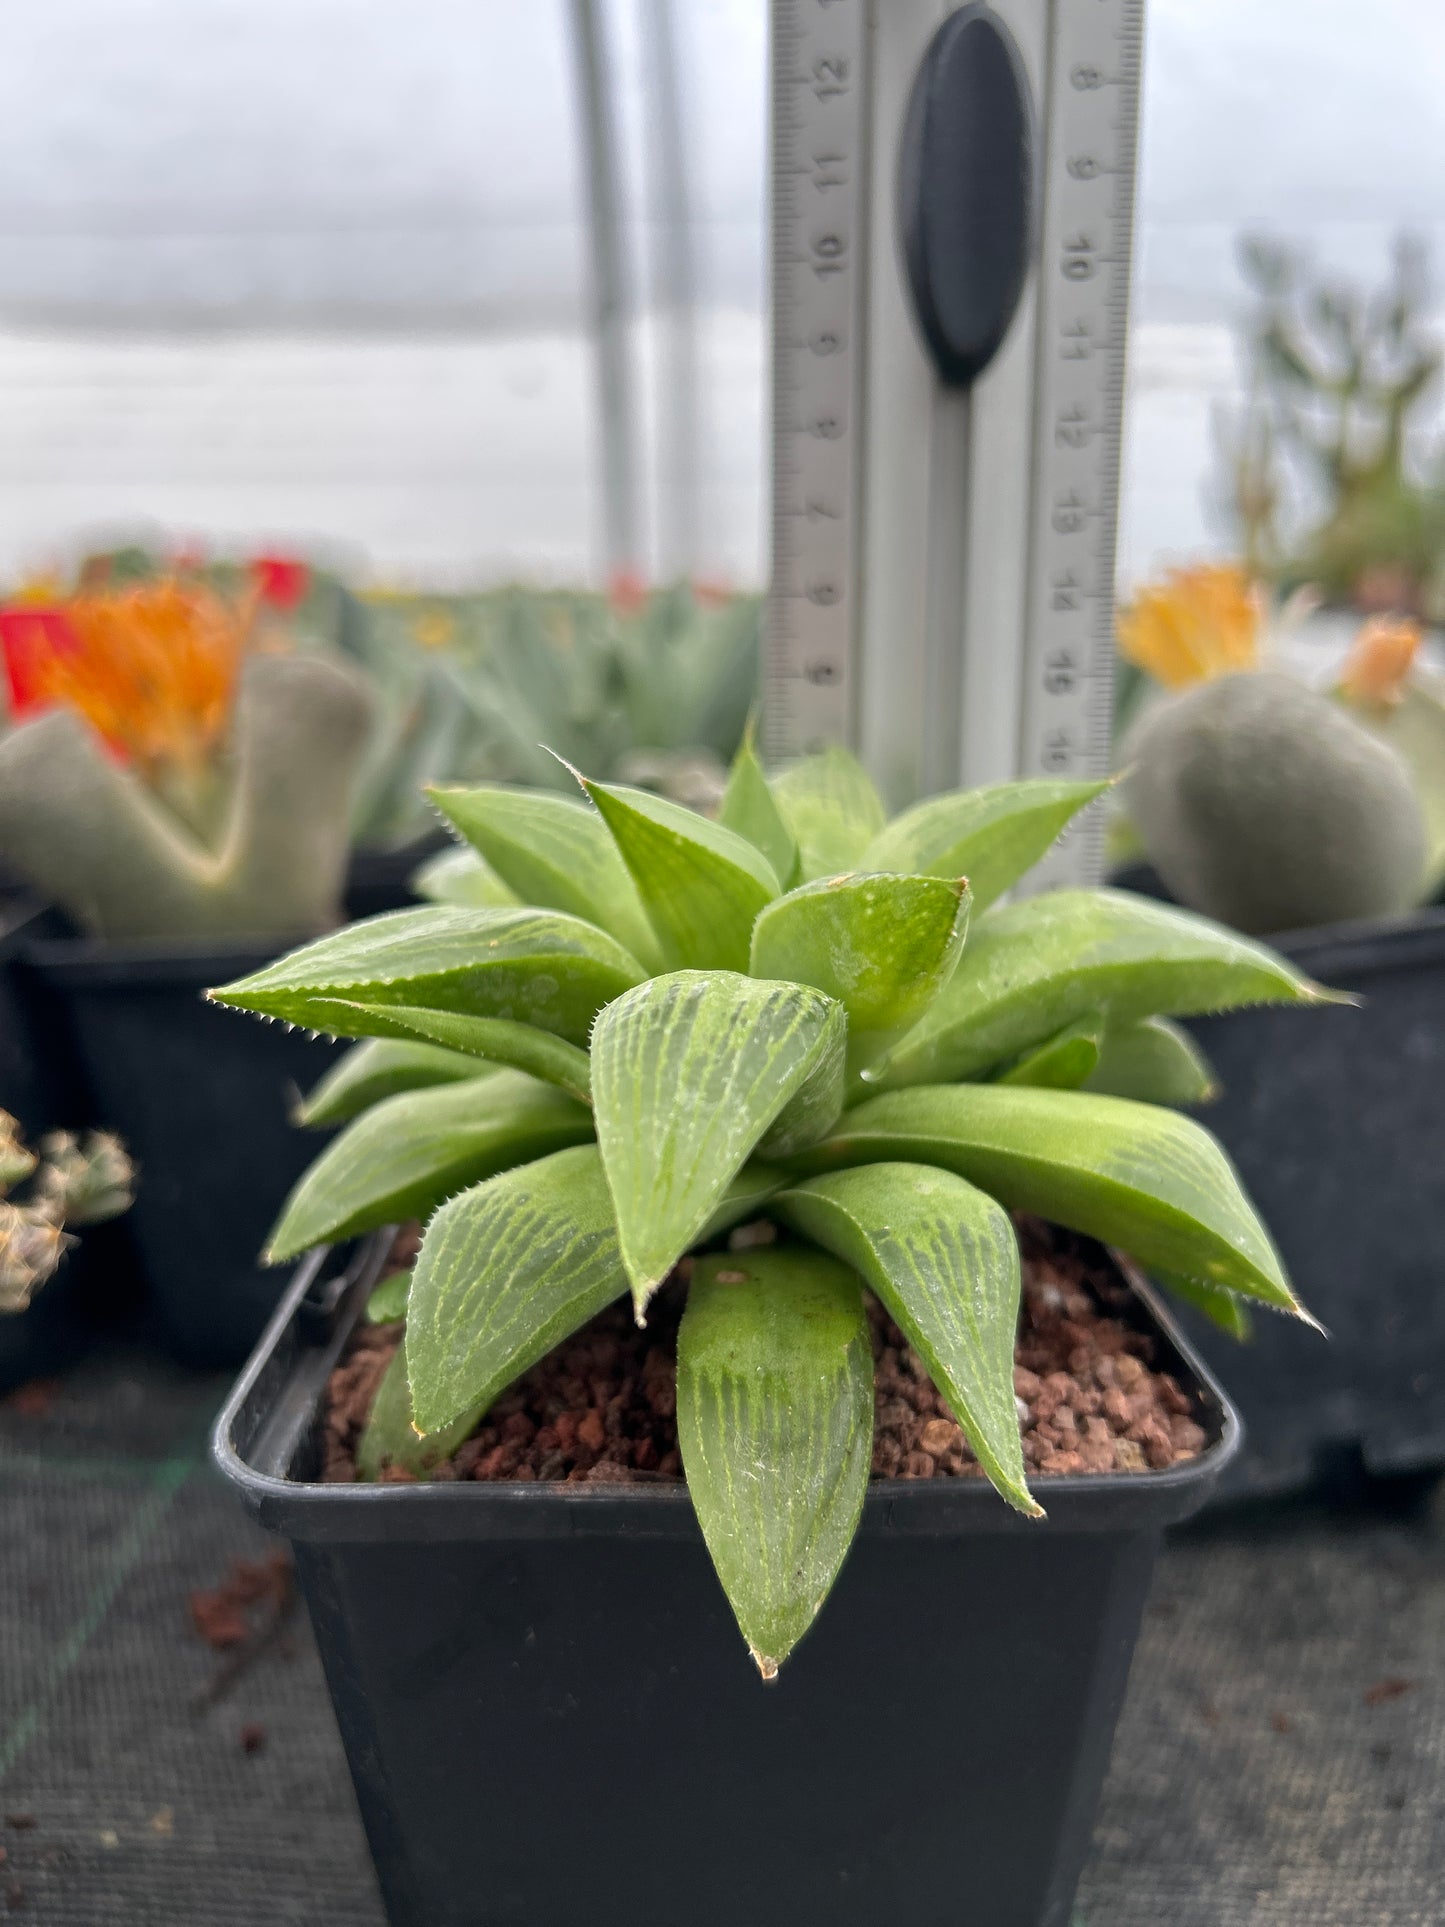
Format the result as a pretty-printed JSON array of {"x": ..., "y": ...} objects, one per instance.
[
  {"x": 94, "y": 839},
  {"x": 1264, "y": 804}
]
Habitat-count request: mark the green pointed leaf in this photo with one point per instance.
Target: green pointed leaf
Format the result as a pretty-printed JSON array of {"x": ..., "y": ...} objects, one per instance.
[
  {"x": 700, "y": 883},
  {"x": 526, "y": 966},
  {"x": 494, "y": 1040},
  {"x": 775, "y": 1421},
  {"x": 391, "y": 1439},
  {"x": 1063, "y": 1061},
  {"x": 462, "y": 879},
  {"x": 1220, "y": 1307},
  {"x": 506, "y": 1271},
  {"x": 884, "y": 946},
  {"x": 401, "y": 1158},
  {"x": 991, "y": 836},
  {"x": 749, "y": 807},
  {"x": 387, "y": 1304},
  {"x": 1154, "y": 1061},
  {"x": 832, "y": 811},
  {"x": 690, "y": 1074},
  {"x": 381, "y": 1067},
  {"x": 510, "y": 1268},
  {"x": 1153, "y": 1182},
  {"x": 1033, "y": 968},
  {"x": 943, "y": 1259},
  {"x": 554, "y": 851}
]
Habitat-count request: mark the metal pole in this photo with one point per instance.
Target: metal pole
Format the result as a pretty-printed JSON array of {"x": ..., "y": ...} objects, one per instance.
[
  {"x": 675, "y": 294},
  {"x": 616, "y": 402}
]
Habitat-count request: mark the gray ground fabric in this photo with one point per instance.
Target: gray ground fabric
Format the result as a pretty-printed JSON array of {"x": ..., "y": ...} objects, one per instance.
[{"x": 1280, "y": 1763}]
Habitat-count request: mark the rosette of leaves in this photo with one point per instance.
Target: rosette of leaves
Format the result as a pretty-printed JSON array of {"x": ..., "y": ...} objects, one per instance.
[{"x": 797, "y": 1012}]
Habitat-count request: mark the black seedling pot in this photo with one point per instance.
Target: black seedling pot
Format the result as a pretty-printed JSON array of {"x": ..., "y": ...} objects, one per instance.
[
  {"x": 1336, "y": 1121},
  {"x": 552, "y": 1720},
  {"x": 201, "y": 1097}
]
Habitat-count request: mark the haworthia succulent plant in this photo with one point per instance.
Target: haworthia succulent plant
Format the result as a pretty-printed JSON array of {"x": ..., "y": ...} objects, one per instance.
[{"x": 780, "y": 1015}]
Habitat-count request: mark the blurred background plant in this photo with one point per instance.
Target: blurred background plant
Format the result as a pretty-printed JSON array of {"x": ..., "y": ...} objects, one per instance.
[
  {"x": 171, "y": 769},
  {"x": 652, "y": 686},
  {"x": 70, "y": 1180},
  {"x": 1329, "y": 476},
  {"x": 1255, "y": 797}
]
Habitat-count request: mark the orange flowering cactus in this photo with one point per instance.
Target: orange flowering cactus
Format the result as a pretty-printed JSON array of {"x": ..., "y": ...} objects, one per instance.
[
  {"x": 1194, "y": 624},
  {"x": 153, "y": 666}
]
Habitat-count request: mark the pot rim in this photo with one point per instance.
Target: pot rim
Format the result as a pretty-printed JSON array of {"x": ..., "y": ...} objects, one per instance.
[
  {"x": 104, "y": 963},
  {"x": 268, "y": 1416}
]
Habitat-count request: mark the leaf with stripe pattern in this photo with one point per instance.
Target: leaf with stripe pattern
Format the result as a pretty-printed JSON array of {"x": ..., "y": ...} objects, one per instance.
[
  {"x": 943, "y": 1259},
  {"x": 691, "y": 1074},
  {"x": 775, "y": 1421},
  {"x": 1133, "y": 1175}
]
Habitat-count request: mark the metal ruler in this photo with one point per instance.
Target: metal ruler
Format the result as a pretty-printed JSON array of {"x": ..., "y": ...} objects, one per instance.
[{"x": 943, "y": 552}]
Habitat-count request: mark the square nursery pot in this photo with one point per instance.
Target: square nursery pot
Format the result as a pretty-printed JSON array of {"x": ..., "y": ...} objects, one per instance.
[
  {"x": 201, "y": 1097},
  {"x": 1336, "y": 1121},
  {"x": 552, "y": 1720}
]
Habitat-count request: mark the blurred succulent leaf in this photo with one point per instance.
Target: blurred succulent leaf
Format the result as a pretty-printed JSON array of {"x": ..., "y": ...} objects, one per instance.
[
  {"x": 555, "y": 851},
  {"x": 528, "y": 966},
  {"x": 381, "y": 1067},
  {"x": 749, "y": 808},
  {"x": 391, "y": 1439},
  {"x": 832, "y": 811},
  {"x": 1155, "y": 1061},
  {"x": 401, "y": 1158},
  {"x": 992, "y": 836},
  {"x": 775, "y": 1421},
  {"x": 1220, "y": 1306},
  {"x": 462, "y": 879},
  {"x": 387, "y": 1304},
  {"x": 1148, "y": 1180},
  {"x": 17, "y": 1160},
  {"x": 692, "y": 1073},
  {"x": 943, "y": 1259},
  {"x": 701, "y": 884},
  {"x": 1062, "y": 1062},
  {"x": 86, "y": 1180},
  {"x": 1033, "y": 968}
]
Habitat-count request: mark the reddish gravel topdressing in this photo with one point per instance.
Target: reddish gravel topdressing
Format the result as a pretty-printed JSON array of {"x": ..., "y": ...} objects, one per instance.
[{"x": 603, "y": 1406}]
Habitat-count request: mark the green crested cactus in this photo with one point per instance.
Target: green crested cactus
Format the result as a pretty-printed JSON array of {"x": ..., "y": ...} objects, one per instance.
[
  {"x": 73, "y": 1181},
  {"x": 1265, "y": 804},
  {"x": 682, "y": 1027},
  {"x": 98, "y": 841}
]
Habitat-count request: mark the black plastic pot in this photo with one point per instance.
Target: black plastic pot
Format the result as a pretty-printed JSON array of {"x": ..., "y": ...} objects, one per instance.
[
  {"x": 378, "y": 880},
  {"x": 1336, "y": 1121},
  {"x": 41, "y": 1086},
  {"x": 200, "y": 1095},
  {"x": 552, "y": 1720}
]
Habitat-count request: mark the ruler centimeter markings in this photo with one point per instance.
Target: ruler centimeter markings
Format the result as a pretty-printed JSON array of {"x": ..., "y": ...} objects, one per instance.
[
  {"x": 827, "y": 245},
  {"x": 1084, "y": 262},
  {"x": 819, "y": 185}
]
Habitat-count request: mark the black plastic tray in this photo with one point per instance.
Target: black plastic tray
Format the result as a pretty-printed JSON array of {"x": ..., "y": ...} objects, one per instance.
[{"x": 551, "y": 1719}]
